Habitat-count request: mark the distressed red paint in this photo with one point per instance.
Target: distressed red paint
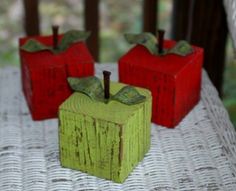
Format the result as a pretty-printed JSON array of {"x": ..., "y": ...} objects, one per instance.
[
  {"x": 174, "y": 81},
  {"x": 44, "y": 75}
]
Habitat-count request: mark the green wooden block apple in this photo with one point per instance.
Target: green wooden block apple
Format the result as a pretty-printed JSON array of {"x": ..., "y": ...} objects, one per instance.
[{"x": 106, "y": 135}]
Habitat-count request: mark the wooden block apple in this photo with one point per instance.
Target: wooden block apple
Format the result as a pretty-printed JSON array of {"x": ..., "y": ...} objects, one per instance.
[
  {"x": 46, "y": 62},
  {"x": 104, "y": 132},
  {"x": 171, "y": 70}
]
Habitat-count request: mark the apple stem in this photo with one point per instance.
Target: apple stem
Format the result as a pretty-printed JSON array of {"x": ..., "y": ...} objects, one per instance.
[
  {"x": 106, "y": 81},
  {"x": 55, "y": 29},
  {"x": 160, "y": 41}
]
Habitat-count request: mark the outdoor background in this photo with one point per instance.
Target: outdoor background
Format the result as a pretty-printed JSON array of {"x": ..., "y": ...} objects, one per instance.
[{"x": 116, "y": 18}]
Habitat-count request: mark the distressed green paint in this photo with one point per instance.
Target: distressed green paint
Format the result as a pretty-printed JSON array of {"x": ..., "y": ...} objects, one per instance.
[{"x": 105, "y": 140}]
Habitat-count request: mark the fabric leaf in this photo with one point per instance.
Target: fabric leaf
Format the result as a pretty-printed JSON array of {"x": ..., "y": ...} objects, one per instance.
[
  {"x": 34, "y": 46},
  {"x": 182, "y": 48},
  {"x": 71, "y": 37},
  {"x": 146, "y": 39},
  {"x": 129, "y": 96},
  {"x": 68, "y": 39},
  {"x": 91, "y": 86}
]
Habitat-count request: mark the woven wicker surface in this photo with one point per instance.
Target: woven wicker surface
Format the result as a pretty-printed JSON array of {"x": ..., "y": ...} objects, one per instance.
[
  {"x": 230, "y": 7},
  {"x": 199, "y": 154}
]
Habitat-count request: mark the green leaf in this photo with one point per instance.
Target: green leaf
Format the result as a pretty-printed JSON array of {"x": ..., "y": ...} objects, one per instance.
[
  {"x": 182, "y": 48},
  {"x": 71, "y": 37},
  {"x": 146, "y": 39},
  {"x": 129, "y": 96},
  {"x": 34, "y": 46},
  {"x": 91, "y": 86}
]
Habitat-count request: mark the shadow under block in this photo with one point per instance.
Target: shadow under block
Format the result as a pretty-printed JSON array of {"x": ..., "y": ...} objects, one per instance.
[{"x": 105, "y": 140}]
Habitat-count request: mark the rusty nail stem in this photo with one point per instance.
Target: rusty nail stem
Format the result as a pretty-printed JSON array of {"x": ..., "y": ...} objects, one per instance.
[
  {"x": 55, "y": 29},
  {"x": 160, "y": 41},
  {"x": 106, "y": 81}
]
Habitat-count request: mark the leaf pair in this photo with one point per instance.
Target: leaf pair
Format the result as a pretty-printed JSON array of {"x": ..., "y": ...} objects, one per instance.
[
  {"x": 68, "y": 39},
  {"x": 92, "y": 87},
  {"x": 182, "y": 48}
]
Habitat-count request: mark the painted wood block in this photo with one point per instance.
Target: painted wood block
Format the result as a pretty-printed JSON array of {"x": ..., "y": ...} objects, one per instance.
[
  {"x": 175, "y": 81},
  {"x": 105, "y": 140},
  {"x": 44, "y": 75}
]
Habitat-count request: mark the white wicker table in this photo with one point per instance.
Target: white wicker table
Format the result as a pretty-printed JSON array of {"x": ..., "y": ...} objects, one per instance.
[{"x": 199, "y": 154}]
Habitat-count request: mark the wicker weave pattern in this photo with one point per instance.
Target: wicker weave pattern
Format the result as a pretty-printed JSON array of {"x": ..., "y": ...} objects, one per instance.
[
  {"x": 230, "y": 6},
  {"x": 199, "y": 154}
]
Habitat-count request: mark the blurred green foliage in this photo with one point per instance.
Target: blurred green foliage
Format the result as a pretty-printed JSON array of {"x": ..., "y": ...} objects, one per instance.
[
  {"x": 67, "y": 14},
  {"x": 121, "y": 17},
  {"x": 229, "y": 88},
  {"x": 11, "y": 26},
  {"x": 116, "y": 18}
]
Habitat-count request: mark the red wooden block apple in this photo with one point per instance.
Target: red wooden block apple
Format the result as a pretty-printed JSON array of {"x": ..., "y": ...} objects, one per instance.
[
  {"x": 46, "y": 62},
  {"x": 171, "y": 71}
]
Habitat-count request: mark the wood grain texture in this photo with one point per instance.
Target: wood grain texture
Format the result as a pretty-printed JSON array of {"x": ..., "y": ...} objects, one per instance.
[
  {"x": 44, "y": 75},
  {"x": 105, "y": 140},
  {"x": 174, "y": 80}
]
